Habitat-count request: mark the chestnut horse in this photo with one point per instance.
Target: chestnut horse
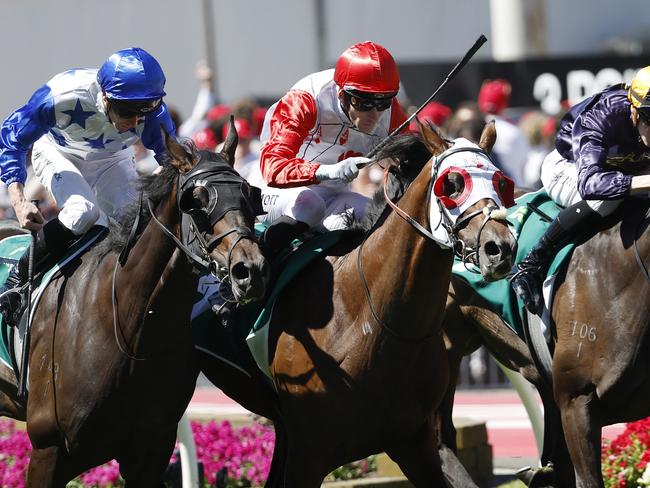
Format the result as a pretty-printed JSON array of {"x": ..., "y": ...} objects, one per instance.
[
  {"x": 359, "y": 365},
  {"x": 111, "y": 365},
  {"x": 600, "y": 371}
]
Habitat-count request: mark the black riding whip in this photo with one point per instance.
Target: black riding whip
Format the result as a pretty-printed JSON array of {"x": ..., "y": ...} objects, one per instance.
[
  {"x": 455, "y": 70},
  {"x": 22, "y": 381}
]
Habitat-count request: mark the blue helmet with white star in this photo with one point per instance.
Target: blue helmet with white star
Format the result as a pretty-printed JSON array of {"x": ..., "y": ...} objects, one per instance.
[{"x": 132, "y": 74}]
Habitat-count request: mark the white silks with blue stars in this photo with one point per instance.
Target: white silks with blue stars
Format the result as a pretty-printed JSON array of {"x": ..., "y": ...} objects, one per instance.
[{"x": 69, "y": 112}]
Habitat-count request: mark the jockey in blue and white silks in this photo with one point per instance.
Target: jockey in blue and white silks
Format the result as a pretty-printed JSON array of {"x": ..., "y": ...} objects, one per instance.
[{"x": 80, "y": 128}]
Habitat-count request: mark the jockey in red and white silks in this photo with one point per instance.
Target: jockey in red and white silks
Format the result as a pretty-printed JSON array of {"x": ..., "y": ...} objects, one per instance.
[{"x": 314, "y": 137}]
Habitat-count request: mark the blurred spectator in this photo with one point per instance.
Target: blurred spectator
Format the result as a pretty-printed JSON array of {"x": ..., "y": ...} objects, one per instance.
[
  {"x": 246, "y": 159},
  {"x": 511, "y": 147},
  {"x": 467, "y": 121},
  {"x": 435, "y": 113},
  {"x": 204, "y": 100},
  {"x": 209, "y": 136},
  {"x": 535, "y": 125}
]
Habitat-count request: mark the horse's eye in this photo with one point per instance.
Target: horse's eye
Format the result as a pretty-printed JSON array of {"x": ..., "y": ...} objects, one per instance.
[
  {"x": 454, "y": 185},
  {"x": 200, "y": 197}
]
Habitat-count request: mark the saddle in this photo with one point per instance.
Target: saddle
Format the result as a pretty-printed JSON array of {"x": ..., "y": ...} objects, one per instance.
[
  {"x": 528, "y": 219},
  {"x": 11, "y": 248},
  {"x": 244, "y": 329}
]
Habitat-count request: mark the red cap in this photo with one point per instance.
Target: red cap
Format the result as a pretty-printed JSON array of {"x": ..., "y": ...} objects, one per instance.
[
  {"x": 259, "y": 114},
  {"x": 367, "y": 67},
  {"x": 434, "y": 112},
  {"x": 217, "y": 112},
  {"x": 243, "y": 129},
  {"x": 494, "y": 96},
  {"x": 205, "y": 139}
]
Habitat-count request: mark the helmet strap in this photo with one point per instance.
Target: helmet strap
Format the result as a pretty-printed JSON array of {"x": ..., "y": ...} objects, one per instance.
[{"x": 344, "y": 100}]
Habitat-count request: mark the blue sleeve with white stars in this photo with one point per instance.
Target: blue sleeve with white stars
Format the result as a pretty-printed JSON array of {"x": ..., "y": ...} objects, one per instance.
[
  {"x": 152, "y": 137},
  {"x": 21, "y": 130}
]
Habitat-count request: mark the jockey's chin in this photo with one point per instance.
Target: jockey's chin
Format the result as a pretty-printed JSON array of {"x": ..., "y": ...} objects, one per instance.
[
  {"x": 124, "y": 124},
  {"x": 644, "y": 132},
  {"x": 364, "y": 121}
]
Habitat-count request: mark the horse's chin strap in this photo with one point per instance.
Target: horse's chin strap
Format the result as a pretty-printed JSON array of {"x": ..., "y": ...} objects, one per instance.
[{"x": 465, "y": 252}]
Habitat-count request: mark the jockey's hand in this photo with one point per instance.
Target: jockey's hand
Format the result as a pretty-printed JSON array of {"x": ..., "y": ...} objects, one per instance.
[
  {"x": 345, "y": 170},
  {"x": 640, "y": 184},
  {"x": 28, "y": 215}
]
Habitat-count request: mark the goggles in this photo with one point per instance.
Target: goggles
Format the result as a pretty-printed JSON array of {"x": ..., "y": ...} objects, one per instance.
[
  {"x": 366, "y": 102},
  {"x": 127, "y": 109}
]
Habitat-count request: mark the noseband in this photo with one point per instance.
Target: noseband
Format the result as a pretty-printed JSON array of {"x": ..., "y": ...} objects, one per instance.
[
  {"x": 225, "y": 189},
  {"x": 458, "y": 246},
  {"x": 461, "y": 250}
]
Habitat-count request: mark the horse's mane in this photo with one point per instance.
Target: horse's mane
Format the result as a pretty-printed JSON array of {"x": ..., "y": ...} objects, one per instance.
[
  {"x": 154, "y": 188},
  {"x": 410, "y": 154}
]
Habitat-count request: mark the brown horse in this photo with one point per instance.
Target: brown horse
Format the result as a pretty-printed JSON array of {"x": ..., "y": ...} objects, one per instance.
[
  {"x": 359, "y": 365},
  {"x": 600, "y": 342},
  {"x": 111, "y": 364}
]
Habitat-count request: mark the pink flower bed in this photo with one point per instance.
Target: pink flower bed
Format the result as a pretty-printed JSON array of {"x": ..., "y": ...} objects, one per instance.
[{"x": 245, "y": 452}]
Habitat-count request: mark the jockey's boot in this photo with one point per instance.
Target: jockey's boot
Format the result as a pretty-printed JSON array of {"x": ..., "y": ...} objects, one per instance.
[
  {"x": 280, "y": 233},
  {"x": 51, "y": 243},
  {"x": 531, "y": 271}
]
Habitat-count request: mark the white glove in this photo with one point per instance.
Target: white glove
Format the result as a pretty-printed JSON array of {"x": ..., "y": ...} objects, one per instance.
[{"x": 345, "y": 170}]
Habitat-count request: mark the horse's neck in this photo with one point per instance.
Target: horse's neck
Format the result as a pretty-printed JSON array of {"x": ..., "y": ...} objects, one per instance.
[
  {"x": 408, "y": 275},
  {"x": 150, "y": 268}
]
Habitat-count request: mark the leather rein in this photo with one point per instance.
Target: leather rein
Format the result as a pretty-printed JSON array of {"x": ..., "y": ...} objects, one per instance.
[
  {"x": 202, "y": 262},
  {"x": 459, "y": 247}
]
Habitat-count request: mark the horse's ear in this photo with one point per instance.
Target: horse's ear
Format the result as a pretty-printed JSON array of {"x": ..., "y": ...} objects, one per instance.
[
  {"x": 432, "y": 140},
  {"x": 230, "y": 144},
  {"x": 488, "y": 137},
  {"x": 182, "y": 159}
]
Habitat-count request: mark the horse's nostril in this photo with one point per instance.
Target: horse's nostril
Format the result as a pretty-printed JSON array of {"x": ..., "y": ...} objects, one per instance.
[
  {"x": 240, "y": 272},
  {"x": 491, "y": 248}
]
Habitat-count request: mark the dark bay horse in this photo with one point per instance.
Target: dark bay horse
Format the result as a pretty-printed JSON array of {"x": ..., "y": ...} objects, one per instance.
[
  {"x": 600, "y": 373},
  {"x": 112, "y": 366},
  {"x": 359, "y": 365}
]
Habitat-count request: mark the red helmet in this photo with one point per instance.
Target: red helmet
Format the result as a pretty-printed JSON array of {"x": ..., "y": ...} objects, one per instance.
[
  {"x": 494, "y": 96},
  {"x": 367, "y": 67}
]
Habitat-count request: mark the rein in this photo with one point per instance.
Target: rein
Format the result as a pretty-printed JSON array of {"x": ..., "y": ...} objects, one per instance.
[
  {"x": 200, "y": 263},
  {"x": 459, "y": 248}
]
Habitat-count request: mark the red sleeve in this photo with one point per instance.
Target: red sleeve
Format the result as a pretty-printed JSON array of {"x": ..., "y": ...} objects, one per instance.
[
  {"x": 397, "y": 116},
  {"x": 293, "y": 118}
]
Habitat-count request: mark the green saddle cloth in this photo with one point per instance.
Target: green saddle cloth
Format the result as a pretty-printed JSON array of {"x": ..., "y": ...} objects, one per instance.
[
  {"x": 227, "y": 342},
  {"x": 11, "y": 248},
  {"x": 528, "y": 227}
]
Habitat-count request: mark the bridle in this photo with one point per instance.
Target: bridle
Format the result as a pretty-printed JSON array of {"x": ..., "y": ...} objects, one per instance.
[
  {"x": 458, "y": 246},
  {"x": 226, "y": 190}
]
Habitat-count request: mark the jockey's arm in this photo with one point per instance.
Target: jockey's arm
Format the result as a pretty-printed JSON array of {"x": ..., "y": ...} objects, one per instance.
[
  {"x": 152, "y": 136},
  {"x": 17, "y": 135},
  {"x": 291, "y": 121}
]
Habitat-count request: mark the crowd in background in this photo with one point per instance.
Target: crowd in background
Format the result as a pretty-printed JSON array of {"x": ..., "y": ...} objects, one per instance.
[{"x": 524, "y": 136}]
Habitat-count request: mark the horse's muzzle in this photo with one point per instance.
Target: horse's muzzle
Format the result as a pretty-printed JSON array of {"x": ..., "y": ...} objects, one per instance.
[{"x": 249, "y": 279}]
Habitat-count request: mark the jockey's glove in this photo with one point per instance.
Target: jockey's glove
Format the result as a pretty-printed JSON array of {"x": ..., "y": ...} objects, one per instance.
[{"x": 345, "y": 170}]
